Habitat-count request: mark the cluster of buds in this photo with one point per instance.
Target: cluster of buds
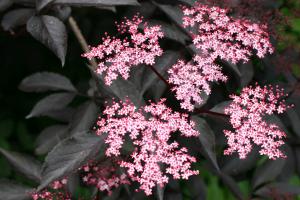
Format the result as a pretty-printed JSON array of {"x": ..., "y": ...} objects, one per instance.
[
  {"x": 55, "y": 191},
  {"x": 103, "y": 176}
]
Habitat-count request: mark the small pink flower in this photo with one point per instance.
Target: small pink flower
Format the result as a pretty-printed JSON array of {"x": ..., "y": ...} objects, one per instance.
[
  {"x": 153, "y": 150},
  {"x": 247, "y": 113},
  {"x": 117, "y": 56},
  {"x": 190, "y": 80}
]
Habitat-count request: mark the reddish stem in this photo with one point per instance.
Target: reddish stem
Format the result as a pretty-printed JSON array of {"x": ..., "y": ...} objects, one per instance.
[{"x": 160, "y": 76}]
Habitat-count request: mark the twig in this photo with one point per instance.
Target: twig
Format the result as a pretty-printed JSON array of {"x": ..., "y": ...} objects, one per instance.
[{"x": 85, "y": 47}]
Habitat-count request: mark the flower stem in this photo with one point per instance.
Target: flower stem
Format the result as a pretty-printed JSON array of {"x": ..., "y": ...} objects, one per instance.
[
  {"x": 82, "y": 41},
  {"x": 159, "y": 76}
]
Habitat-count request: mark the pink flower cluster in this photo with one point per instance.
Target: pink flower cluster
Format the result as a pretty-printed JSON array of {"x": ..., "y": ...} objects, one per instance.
[
  {"x": 190, "y": 80},
  {"x": 218, "y": 36},
  {"x": 104, "y": 176},
  {"x": 54, "y": 193},
  {"x": 229, "y": 38},
  {"x": 116, "y": 56},
  {"x": 155, "y": 155},
  {"x": 247, "y": 113}
]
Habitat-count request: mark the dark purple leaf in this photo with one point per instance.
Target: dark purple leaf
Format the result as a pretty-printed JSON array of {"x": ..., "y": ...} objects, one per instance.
[
  {"x": 267, "y": 172},
  {"x": 276, "y": 189},
  {"x": 15, "y": 18},
  {"x": 171, "y": 32},
  {"x": 4, "y": 4},
  {"x": 160, "y": 192},
  {"x": 84, "y": 118},
  {"x": 247, "y": 73},
  {"x": 175, "y": 13},
  {"x": 207, "y": 140},
  {"x": 124, "y": 89},
  {"x": 219, "y": 108},
  {"x": 232, "y": 67},
  {"x": 97, "y": 2},
  {"x": 50, "y": 103},
  {"x": 51, "y": 32},
  {"x": 294, "y": 120},
  {"x": 46, "y": 81},
  {"x": 24, "y": 164},
  {"x": 50, "y": 137},
  {"x": 40, "y": 4},
  {"x": 13, "y": 191},
  {"x": 235, "y": 165},
  {"x": 63, "y": 115},
  {"x": 196, "y": 187},
  {"x": 62, "y": 12},
  {"x": 69, "y": 155},
  {"x": 162, "y": 64}
]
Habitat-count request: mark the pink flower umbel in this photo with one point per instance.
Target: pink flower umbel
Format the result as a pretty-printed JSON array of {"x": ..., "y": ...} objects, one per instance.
[
  {"x": 226, "y": 37},
  {"x": 117, "y": 56},
  {"x": 189, "y": 80},
  {"x": 247, "y": 113},
  {"x": 154, "y": 154},
  {"x": 103, "y": 176}
]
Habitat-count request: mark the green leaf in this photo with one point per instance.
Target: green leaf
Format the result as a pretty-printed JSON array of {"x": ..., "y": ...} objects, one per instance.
[
  {"x": 24, "y": 164},
  {"x": 51, "y": 32},
  {"x": 232, "y": 185},
  {"x": 295, "y": 23},
  {"x": 69, "y": 155},
  {"x": 214, "y": 191},
  {"x": 296, "y": 70},
  {"x": 46, "y": 81},
  {"x": 52, "y": 102}
]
